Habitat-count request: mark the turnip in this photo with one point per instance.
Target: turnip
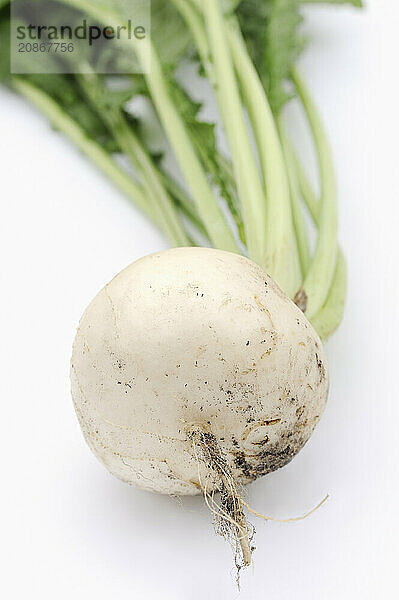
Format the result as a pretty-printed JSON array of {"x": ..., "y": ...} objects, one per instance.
[
  {"x": 198, "y": 370},
  {"x": 193, "y": 371}
]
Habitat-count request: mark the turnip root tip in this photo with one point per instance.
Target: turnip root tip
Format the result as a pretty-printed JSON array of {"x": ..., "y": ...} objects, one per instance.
[{"x": 229, "y": 519}]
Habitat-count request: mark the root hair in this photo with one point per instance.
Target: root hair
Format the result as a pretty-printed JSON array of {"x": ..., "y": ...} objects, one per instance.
[{"x": 229, "y": 519}]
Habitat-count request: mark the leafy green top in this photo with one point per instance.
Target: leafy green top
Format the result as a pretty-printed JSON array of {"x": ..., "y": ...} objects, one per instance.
[{"x": 93, "y": 114}]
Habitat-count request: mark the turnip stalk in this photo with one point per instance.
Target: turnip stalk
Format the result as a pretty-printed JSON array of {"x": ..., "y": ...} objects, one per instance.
[
  {"x": 296, "y": 203},
  {"x": 281, "y": 259},
  {"x": 192, "y": 16},
  {"x": 195, "y": 22},
  {"x": 158, "y": 185},
  {"x": 330, "y": 315},
  {"x": 248, "y": 183},
  {"x": 183, "y": 202},
  {"x": 204, "y": 199},
  {"x": 321, "y": 271},
  {"x": 131, "y": 146},
  {"x": 240, "y": 145}
]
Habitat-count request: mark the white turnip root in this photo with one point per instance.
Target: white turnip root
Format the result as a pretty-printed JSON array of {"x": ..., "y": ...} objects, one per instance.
[{"x": 192, "y": 371}]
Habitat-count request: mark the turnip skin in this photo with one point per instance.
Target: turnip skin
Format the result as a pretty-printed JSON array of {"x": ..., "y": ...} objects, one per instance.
[{"x": 195, "y": 337}]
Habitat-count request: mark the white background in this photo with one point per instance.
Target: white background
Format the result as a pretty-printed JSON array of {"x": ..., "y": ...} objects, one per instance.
[{"x": 70, "y": 530}]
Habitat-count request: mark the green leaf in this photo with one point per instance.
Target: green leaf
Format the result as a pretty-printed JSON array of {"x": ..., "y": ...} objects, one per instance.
[
  {"x": 271, "y": 29},
  {"x": 66, "y": 92},
  {"x": 169, "y": 32},
  {"x": 229, "y": 6},
  {"x": 283, "y": 46}
]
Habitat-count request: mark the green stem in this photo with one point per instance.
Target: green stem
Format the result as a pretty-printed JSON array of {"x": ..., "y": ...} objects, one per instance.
[
  {"x": 183, "y": 202},
  {"x": 321, "y": 271},
  {"x": 282, "y": 261},
  {"x": 311, "y": 200},
  {"x": 330, "y": 315},
  {"x": 156, "y": 182},
  {"x": 296, "y": 205},
  {"x": 281, "y": 254},
  {"x": 205, "y": 201},
  {"x": 249, "y": 185},
  {"x": 195, "y": 22},
  {"x": 193, "y": 18},
  {"x": 132, "y": 147},
  {"x": 64, "y": 123}
]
